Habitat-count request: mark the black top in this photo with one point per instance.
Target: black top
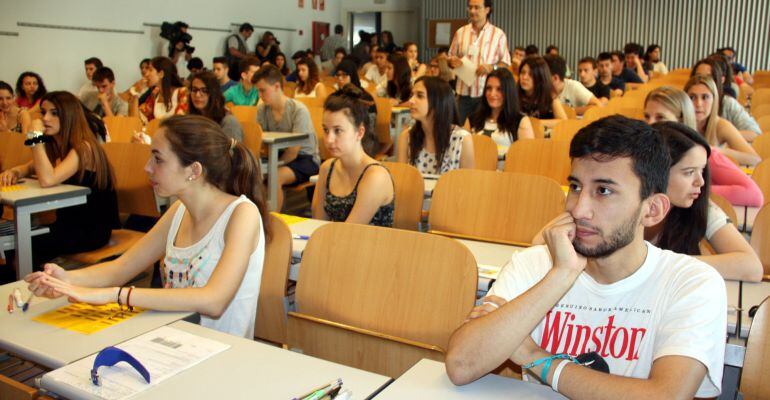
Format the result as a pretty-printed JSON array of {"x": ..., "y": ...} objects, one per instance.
[
  {"x": 599, "y": 90},
  {"x": 95, "y": 219},
  {"x": 338, "y": 208},
  {"x": 629, "y": 76},
  {"x": 531, "y": 110}
]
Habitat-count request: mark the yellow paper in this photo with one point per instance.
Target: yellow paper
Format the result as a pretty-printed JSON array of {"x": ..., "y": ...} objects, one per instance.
[
  {"x": 85, "y": 318},
  {"x": 11, "y": 188},
  {"x": 291, "y": 219},
  {"x": 747, "y": 170}
]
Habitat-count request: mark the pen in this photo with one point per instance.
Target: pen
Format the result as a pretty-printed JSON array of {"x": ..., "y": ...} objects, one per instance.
[
  {"x": 324, "y": 392},
  {"x": 26, "y": 303},
  {"x": 10, "y": 304},
  {"x": 300, "y": 237},
  {"x": 322, "y": 387}
]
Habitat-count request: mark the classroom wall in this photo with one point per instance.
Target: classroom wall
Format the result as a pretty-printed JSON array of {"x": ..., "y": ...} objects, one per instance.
[
  {"x": 401, "y": 17},
  {"x": 58, "y": 54},
  {"x": 687, "y": 30}
]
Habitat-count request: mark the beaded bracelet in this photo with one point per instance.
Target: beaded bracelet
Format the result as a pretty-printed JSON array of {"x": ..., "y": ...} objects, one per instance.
[{"x": 36, "y": 137}]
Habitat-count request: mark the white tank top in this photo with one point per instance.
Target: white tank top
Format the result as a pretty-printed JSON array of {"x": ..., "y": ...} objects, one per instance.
[{"x": 192, "y": 266}]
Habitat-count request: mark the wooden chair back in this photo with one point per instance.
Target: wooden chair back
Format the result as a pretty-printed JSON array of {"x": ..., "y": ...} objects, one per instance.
[
  {"x": 484, "y": 152},
  {"x": 410, "y": 191},
  {"x": 566, "y": 129},
  {"x": 361, "y": 297},
  {"x": 382, "y": 124},
  {"x": 545, "y": 157},
  {"x": 764, "y": 123},
  {"x": 726, "y": 206},
  {"x": 537, "y": 128},
  {"x": 760, "y": 110},
  {"x": 762, "y": 143},
  {"x": 760, "y": 96},
  {"x": 244, "y": 113},
  {"x": 121, "y": 129},
  {"x": 252, "y": 137},
  {"x": 756, "y": 363},
  {"x": 13, "y": 152},
  {"x": 271, "y": 323},
  {"x": 571, "y": 113},
  {"x": 760, "y": 238},
  {"x": 501, "y": 207},
  {"x": 152, "y": 127},
  {"x": 289, "y": 88},
  {"x": 311, "y": 102},
  {"x": 761, "y": 176},
  {"x": 135, "y": 194},
  {"x": 317, "y": 116},
  {"x": 594, "y": 113}
]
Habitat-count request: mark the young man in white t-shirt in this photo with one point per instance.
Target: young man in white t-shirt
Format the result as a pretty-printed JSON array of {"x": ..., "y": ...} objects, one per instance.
[
  {"x": 378, "y": 72},
  {"x": 571, "y": 92},
  {"x": 657, "y": 318}
]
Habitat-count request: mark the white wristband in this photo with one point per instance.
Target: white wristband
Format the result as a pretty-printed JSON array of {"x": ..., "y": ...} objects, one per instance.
[{"x": 556, "y": 373}]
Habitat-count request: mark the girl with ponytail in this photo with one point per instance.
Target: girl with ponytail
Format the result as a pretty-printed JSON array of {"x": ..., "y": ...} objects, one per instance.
[
  {"x": 212, "y": 241},
  {"x": 348, "y": 189}
]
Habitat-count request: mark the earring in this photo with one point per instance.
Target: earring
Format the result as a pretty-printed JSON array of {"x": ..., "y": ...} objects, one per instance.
[{"x": 189, "y": 178}]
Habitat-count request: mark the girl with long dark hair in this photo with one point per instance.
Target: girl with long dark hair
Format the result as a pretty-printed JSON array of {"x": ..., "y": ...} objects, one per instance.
[
  {"x": 435, "y": 144},
  {"x": 211, "y": 241},
  {"x": 308, "y": 80},
  {"x": 693, "y": 217},
  {"x": 66, "y": 150},
  {"x": 169, "y": 96},
  {"x": 399, "y": 79},
  {"x": 537, "y": 96},
  {"x": 498, "y": 115},
  {"x": 206, "y": 99}
]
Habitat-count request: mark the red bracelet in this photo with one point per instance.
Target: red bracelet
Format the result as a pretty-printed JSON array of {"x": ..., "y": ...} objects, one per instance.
[{"x": 128, "y": 299}]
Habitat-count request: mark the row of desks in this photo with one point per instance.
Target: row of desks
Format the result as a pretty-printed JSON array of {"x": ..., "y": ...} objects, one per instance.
[
  {"x": 248, "y": 369},
  {"x": 491, "y": 257}
]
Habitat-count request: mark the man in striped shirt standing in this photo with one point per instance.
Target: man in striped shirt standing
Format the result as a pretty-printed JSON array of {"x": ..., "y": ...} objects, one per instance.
[{"x": 485, "y": 46}]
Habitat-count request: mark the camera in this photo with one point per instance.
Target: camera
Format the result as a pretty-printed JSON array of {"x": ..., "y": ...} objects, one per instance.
[{"x": 174, "y": 34}]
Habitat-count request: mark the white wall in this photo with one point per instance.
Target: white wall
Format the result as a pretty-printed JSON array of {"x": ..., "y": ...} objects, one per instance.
[
  {"x": 401, "y": 17},
  {"x": 58, "y": 54}
]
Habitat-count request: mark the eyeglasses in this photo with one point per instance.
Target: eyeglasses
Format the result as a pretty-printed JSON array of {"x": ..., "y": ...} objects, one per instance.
[{"x": 199, "y": 91}]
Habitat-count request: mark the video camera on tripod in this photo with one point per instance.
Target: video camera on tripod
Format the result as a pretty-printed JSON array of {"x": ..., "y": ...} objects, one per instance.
[{"x": 176, "y": 33}]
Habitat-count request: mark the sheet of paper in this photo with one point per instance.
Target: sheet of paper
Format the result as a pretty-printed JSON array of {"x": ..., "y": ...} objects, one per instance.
[
  {"x": 466, "y": 72},
  {"x": 85, "y": 318},
  {"x": 291, "y": 219},
  {"x": 165, "y": 352},
  {"x": 443, "y": 31}
]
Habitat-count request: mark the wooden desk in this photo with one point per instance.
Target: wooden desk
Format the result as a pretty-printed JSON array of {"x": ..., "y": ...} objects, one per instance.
[
  {"x": 275, "y": 141},
  {"x": 490, "y": 256},
  {"x": 54, "y": 347},
  {"x": 32, "y": 199},
  {"x": 428, "y": 380},
  {"x": 251, "y": 370}
]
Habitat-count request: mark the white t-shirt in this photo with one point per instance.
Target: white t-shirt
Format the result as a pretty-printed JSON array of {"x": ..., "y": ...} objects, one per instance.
[
  {"x": 373, "y": 75},
  {"x": 660, "y": 68},
  {"x": 672, "y": 305},
  {"x": 716, "y": 219},
  {"x": 500, "y": 138},
  {"x": 575, "y": 94}
]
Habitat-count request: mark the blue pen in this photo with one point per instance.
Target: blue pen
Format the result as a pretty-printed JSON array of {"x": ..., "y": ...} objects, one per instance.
[{"x": 300, "y": 237}]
